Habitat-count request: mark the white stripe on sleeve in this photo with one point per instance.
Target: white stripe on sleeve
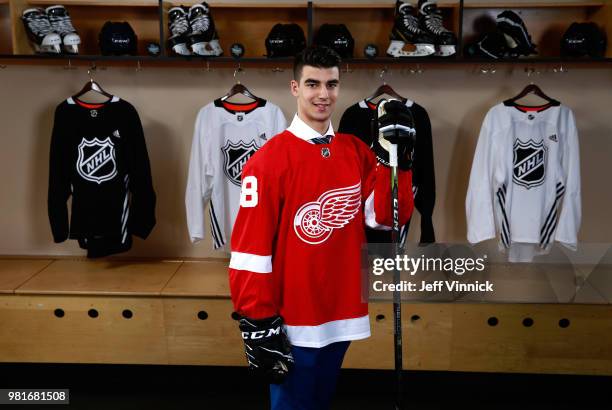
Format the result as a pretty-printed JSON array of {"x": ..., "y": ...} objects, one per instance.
[{"x": 250, "y": 262}]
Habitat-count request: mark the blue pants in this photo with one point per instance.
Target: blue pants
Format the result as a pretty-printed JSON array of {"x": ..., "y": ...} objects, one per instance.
[{"x": 312, "y": 381}]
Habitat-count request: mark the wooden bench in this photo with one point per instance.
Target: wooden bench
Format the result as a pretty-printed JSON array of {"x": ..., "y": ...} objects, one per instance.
[{"x": 179, "y": 312}]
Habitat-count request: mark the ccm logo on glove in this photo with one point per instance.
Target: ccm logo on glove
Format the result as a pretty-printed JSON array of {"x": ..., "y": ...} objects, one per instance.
[{"x": 260, "y": 334}]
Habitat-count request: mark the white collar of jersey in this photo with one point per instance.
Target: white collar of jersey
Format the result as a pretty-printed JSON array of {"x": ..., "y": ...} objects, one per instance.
[
  {"x": 364, "y": 103},
  {"x": 302, "y": 130}
]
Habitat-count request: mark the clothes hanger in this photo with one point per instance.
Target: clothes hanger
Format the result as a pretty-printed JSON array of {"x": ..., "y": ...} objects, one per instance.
[
  {"x": 91, "y": 85},
  {"x": 531, "y": 88},
  {"x": 239, "y": 88},
  {"x": 383, "y": 89}
]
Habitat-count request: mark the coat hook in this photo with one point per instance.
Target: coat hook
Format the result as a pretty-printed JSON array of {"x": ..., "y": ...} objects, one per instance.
[
  {"x": 277, "y": 70},
  {"x": 69, "y": 66},
  {"x": 382, "y": 74},
  {"x": 347, "y": 70},
  {"x": 207, "y": 65},
  {"x": 236, "y": 71},
  {"x": 419, "y": 70},
  {"x": 138, "y": 66}
]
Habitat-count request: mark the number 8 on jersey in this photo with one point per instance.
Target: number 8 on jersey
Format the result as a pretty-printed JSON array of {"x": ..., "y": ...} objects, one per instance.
[{"x": 248, "y": 192}]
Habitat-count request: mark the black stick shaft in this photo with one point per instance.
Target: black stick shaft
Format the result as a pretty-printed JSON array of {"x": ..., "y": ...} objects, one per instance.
[{"x": 397, "y": 302}]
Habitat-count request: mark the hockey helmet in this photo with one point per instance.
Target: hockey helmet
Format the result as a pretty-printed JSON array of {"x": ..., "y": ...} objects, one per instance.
[
  {"x": 582, "y": 39},
  {"x": 117, "y": 38},
  {"x": 337, "y": 37},
  {"x": 285, "y": 40},
  {"x": 491, "y": 45}
]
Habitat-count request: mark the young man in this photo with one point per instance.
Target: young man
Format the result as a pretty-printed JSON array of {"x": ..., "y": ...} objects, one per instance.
[{"x": 297, "y": 239}]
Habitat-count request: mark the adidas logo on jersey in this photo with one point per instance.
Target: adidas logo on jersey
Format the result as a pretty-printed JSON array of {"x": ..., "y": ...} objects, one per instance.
[
  {"x": 553, "y": 137},
  {"x": 263, "y": 136},
  {"x": 116, "y": 134}
]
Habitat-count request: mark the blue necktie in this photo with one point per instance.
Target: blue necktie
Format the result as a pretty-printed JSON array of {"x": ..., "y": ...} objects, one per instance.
[{"x": 322, "y": 140}]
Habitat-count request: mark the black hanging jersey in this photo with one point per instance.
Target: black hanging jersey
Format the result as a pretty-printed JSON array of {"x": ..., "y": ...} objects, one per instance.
[
  {"x": 360, "y": 120},
  {"x": 99, "y": 157}
]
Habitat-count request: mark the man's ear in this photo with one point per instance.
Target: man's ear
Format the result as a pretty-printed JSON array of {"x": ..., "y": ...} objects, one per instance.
[{"x": 294, "y": 87}]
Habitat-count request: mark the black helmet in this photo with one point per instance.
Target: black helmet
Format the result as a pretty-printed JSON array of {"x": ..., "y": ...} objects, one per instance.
[
  {"x": 285, "y": 40},
  {"x": 583, "y": 39},
  {"x": 491, "y": 45},
  {"x": 337, "y": 37},
  {"x": 117, "y": 38}
]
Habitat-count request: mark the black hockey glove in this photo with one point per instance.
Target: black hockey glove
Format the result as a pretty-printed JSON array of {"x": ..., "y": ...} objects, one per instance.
[
  {"x": 267, "y": 348},
  {"x": 395, "y": 126}
]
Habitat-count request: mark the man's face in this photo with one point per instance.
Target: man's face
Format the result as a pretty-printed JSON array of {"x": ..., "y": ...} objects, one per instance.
[{"x": 316, "y": 93}]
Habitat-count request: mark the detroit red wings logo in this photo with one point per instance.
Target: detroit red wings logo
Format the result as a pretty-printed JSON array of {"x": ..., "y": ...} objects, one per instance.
[{"x": 315, "y": 221}]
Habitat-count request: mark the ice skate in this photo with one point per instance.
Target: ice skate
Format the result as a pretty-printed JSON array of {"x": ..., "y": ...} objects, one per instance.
[
  {"x": 406, "y": 32},
  {"x": 203, "y": 38},
  {"x": 178, "y": 24},
  {"x": 40, "y": 32},
  {"x": 432, "y": 22}
]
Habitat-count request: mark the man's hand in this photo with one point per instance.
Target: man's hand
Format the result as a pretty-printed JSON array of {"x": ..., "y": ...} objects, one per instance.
[
  {"x": 395, "y": 126},
  {"x": 267, "y": 348}
]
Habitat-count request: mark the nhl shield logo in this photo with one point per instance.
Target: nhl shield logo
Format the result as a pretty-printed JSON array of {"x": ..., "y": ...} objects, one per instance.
[
  {"x": 96, "y": 162},
  {"x": 235, "y": 156},
  {"x": 529, "y": 165}
]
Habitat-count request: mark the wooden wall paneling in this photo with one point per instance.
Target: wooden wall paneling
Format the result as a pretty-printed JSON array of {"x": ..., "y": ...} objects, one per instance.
[
  {"x": 376, "y": 352},
  {"x": 18, "y": 33},
  {"x": 427, "y": 336},
  {"x": 544, "y": 347},
  {"x": 194, "y": 338},
  {"x": 6, "y": 36},
  {"x": 31, "y": 332}
]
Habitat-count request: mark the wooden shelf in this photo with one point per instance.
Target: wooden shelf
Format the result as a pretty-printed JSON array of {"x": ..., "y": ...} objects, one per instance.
[
  {"x": 263, "y": 61},
  {"x": 254, "y": 4},
  {"x": 96, "y": 3},
  {"x": 349, "y": 5},
  {"x": 15, "y": 272},
  {"x": 540, "y": 4},
  {"x": 103, "y": 277}
]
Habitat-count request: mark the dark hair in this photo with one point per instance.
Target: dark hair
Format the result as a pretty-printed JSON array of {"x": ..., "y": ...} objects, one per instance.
[{"x": 315, "y": 56}]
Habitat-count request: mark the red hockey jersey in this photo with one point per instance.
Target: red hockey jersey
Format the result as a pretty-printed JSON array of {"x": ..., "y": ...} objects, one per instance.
[{"x": 297, "y": 240}]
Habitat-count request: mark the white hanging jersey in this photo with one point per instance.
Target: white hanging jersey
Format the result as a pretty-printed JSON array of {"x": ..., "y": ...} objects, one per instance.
[
  {"x": 525, "y": 179},
  {"x": 225, "y": 136}
]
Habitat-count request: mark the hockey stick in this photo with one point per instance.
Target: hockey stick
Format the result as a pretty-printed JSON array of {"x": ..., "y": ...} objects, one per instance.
[{"x": 397, "y": 301}]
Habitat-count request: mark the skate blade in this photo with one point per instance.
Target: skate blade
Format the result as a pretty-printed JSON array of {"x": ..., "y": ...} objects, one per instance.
[
  {"x": 445, "y": 50},
  {"x": 181, "y": 49},
  {"x": 48, "y": 49},
  {"x": 71, "y": 48},
  {"x": 205, "y": 49},
  {"x": 216, "y": 47},
  {"x": 398, "y": 49}
]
